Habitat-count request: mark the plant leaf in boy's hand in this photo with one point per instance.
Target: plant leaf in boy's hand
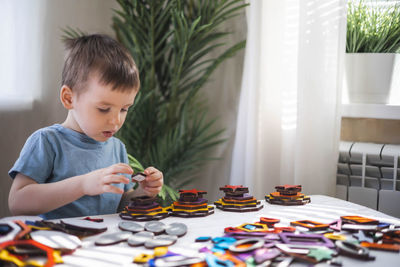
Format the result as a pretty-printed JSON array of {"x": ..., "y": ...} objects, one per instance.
[{"x": 101, "y": 180}]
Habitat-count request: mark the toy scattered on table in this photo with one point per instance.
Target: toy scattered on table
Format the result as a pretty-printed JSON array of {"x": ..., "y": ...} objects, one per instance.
[
  {"x": 113, "y": 238},
  {"x": 191, "y": 204},
  {"x": 287, "y": 195},
  {"x": 267, "y": 242},
  {"x": 237, "y": 199},
  {"x": 144, "y": 208},
  {"x": 152, "y": 234},
  {"x": 311, "y": 225},
  {"x": 138, "y": 177},
  {"x": 78, "y": 227},
  {"x": 56, "y": 240}
]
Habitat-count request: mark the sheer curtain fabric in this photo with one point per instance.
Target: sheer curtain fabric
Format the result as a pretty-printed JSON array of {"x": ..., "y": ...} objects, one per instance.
[{"x": 289, "y": 111}]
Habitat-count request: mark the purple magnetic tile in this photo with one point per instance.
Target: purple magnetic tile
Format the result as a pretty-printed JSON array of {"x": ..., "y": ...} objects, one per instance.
[
  {"x": 336, "y": 225},
  {"x": 268, "y": 244},
  {"x": 197, "y": 202},
  {"x": 243, "y": 235},
  {"x": 274, "y": 237},
  {"x": 306, "y": 239},
  {"x": 263, "y": 254},
  {"x": 143, "y": 207},
  {"x": 205, "y": 250},
  {"x": 243, "y": 256},
  {"x": 244, "y": 197}
]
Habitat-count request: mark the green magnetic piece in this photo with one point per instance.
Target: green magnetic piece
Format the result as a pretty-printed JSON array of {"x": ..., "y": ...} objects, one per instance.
[
  {"x": 320, "y": 253},
  {"x": 250, "y": 262}
]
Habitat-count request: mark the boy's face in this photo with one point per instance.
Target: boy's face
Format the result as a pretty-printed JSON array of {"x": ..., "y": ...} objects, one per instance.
[{"x": 98, "y": 111}]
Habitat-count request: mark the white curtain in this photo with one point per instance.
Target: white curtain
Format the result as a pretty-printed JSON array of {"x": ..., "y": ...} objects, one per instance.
[
  {"x": 21, "y": 52},
  {"x": 288, "y": 123}
]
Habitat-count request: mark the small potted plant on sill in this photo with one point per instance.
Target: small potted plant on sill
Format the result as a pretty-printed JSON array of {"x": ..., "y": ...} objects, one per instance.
[{"x": 372, "y": 44}]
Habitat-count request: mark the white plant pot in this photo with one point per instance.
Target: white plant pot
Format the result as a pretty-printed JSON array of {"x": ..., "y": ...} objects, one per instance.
[{"x": 368, "y": 77}]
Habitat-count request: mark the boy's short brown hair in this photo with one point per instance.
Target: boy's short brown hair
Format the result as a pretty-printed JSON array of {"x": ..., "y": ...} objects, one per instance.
[{"x": 100, "y": 54}]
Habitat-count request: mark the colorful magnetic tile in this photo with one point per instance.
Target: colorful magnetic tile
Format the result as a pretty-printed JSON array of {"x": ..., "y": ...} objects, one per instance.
[
  {"x": 203, "y": 239},
  {"x": 56, "y": 239},
  {"x": 288, "y": 189},
  {"x": 253, "y": 227},
  {"x": 140, "y": 176},
  {"x": 234, "y": 189},
  {"x": 177, "y": 205},
  {"x": 48, "y": 251},
  {"x": 141, "y": 211},
  {"x": 234, "y": 201},
  {"x": 239, "y": 209},
  {"x": 240, "y": 198},
  {"x": 377, "y": 246},
  {"x": 190, "y": 204},
  {"x": 199, "y": 201},
  {"x": 358, "y": 220},
  {"x": 191, "y": 195},
  {"x": 144, "y": 217},
  {"x": 144, "y": 208},
  {"x": 353, "y": 250},
  {"x": 321, "y": 253},
  {"x": 143, "y": 200},
  {"x": 221, "y": 202},
  {"x": 269, "y": 221},
  {"x": 9, "y": 232},
  {"x": 306, "y": 239},
  {"x": 290, "y": 197},
  {"x": 334, "y": 236},
  {"x": 311, "y": 225},
  {"x": 263, "y": 254},
  {"x": 186, "y": 214}
]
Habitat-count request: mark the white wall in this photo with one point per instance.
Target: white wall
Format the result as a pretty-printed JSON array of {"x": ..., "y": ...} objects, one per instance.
[{"x": 91, "y": 16}]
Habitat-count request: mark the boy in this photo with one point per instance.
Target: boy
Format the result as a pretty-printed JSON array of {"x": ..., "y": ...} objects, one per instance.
[{"x": 78, "y": 168}]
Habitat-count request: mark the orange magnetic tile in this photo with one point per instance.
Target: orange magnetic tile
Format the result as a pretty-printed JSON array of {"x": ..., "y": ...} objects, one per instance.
[
  {"x": 310, "y": 225},
  {"x": 176, "y": 203},
  {"x": 277, "y": 194},
  {"x": 376, "y": 246},
  {"x": 359, "y": 219}
]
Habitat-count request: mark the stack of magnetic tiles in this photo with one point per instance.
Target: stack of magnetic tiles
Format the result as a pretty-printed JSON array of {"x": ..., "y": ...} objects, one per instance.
[
  {"x": 143, "y": 208},
  {"x": 236, "y": 199},
  {"x": 288, "y": 195},
  {"x": 191, "y": 204}
]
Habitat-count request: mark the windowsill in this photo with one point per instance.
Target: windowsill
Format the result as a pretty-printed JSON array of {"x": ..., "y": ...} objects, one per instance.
[
  {"x": 15, "y": 104},
  {"x": 373, "y": 111}
]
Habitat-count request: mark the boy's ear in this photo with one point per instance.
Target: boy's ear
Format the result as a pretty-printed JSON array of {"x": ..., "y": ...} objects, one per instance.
[{"x": 66, "y": 97}]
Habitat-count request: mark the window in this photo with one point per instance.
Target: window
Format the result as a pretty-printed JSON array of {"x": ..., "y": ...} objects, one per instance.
[{"x": 20, "y": 52}]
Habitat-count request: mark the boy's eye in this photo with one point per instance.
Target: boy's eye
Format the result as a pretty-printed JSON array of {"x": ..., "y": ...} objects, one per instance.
[
  {"x": 104, "y": 110},
  {"x": 124, "y": 110}
]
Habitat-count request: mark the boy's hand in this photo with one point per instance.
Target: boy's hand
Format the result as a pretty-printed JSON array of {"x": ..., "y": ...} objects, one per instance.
[
  {"x": 153, "y": 183},
  {"x": 99, "y": 181}
]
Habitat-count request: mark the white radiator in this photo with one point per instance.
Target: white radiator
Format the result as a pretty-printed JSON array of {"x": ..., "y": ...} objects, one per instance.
[{"x": 368, "y": 174}]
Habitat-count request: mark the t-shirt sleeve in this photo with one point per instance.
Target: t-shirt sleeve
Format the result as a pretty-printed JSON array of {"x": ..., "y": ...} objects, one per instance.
[
  {"x": 124, "y": 159},
  {"x": 36, "y": 158}
]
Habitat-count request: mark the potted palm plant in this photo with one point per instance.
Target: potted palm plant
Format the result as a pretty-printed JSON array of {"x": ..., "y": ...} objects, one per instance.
[
  {"x": 373, "y": 40},
  {"x": 171, "y": 41}
]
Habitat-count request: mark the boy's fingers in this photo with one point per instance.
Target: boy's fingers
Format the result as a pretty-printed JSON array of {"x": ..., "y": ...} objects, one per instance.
[
  {"x": 150, "y": 170},
  {"x": 154, "y": 176},
  {"x": 155, "y": 183},
  {"x": 116, "y": 179},
  {"x": 121, "y": 168},
  {"x": 112, "y": 189}
]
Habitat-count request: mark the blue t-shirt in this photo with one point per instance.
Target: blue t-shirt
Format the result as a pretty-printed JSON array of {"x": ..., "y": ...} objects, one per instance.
[{"x": 56, "y": 153}]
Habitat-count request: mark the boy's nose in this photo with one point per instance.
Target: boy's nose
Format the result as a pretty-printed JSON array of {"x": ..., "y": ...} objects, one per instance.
[{"x": 116, "y": 119}]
